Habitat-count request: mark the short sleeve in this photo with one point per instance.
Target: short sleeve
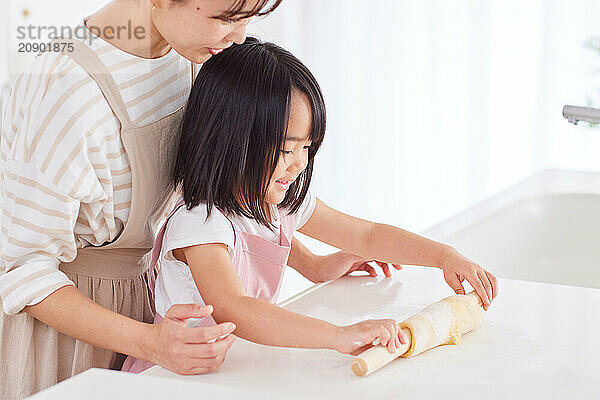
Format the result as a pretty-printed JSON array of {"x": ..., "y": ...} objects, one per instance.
[
  {"x": 305, "y": 211},
  {"x": 194, "y": 227}
]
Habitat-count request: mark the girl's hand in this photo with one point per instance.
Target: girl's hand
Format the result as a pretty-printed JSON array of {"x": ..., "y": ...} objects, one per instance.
[
  {"x": 457, "y": 268},
  {"x": 184, "y": 350},
  {"x": 354, "y": 339},
  {"x": 338, "y": 264}
]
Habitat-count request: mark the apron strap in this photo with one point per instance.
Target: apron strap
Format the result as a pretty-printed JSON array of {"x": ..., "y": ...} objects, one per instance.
[
  {"x": 91, "y": 63},
  {"x": 286, "y": 227}
]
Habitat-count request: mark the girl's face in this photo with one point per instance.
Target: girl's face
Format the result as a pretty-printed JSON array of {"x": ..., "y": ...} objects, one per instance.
[
  {"x": 192, "y": 29},
  {"x": 294, "y": 155}
]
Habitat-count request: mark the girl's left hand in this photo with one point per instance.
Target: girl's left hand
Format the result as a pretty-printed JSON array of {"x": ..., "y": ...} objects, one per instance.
[
  {"x": 339, "y": 264},
  {"x": 457, "y": 268}
]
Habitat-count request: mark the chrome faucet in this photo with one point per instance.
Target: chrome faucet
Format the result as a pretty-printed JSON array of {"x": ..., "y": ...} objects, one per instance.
[{"x": 574, "y": 114}]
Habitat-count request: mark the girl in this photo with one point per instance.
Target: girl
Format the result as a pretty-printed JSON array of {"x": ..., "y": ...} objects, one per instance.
[
  {"x": 80, "y": 132},
  {"x": 253, "y": 125}
]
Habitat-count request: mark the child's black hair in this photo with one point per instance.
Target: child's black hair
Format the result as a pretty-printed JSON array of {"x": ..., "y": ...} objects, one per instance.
[{"x": 234, "y": 127}]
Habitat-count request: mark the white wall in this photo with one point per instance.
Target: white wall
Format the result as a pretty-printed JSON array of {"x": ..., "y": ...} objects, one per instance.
[
  {"x": 4, "y": 37},
  {"x": 571, "y": 75},
  {"x": 434, "y": 105},
  {"x": 40, "y": 13}
]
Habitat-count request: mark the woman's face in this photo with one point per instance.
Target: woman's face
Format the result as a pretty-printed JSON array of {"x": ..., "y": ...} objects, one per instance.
[
  {"x": 192, "y": 27},
  {"x": 294, "y": 155}
]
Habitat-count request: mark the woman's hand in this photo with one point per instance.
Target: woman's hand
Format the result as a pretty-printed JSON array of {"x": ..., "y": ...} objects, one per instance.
[
  {"x": 354, "y": 339},
  {"x": 457, "y": 268},
  {"x": 338, "y": 264},
  {"x": 184, "y": 350}
]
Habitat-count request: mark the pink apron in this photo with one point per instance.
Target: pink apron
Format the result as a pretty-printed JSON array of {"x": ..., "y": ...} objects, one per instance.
[{"x": 258, "y": 262}]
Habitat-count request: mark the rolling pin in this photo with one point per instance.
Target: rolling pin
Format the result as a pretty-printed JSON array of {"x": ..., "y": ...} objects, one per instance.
[{"x": 440, "y": 323}]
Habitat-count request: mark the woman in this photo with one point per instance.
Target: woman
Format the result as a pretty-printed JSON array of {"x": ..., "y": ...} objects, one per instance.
[{"x": 80, "y": 174}]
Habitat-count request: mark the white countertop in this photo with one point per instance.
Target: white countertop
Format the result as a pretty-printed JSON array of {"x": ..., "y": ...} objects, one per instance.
[{"x": 537, "y": 340}]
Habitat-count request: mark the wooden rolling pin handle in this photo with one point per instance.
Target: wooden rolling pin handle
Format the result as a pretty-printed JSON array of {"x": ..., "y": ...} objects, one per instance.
[{"x": 377, "y": 356}]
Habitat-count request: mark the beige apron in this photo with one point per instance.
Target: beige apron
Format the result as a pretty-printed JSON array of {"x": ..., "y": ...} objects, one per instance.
[{"x": 34, "y": 356}]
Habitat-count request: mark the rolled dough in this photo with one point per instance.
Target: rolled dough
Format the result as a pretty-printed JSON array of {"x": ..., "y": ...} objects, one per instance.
[
  {"x": 443, "y": 322},
  {"x": 440, "y": 323}
]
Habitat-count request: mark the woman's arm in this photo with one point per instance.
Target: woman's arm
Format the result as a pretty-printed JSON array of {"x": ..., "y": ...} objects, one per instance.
[
  {"x": 397, "y": 246},
  {"x": 268, "y": 324},
  {"x": 169, "y": 344}
]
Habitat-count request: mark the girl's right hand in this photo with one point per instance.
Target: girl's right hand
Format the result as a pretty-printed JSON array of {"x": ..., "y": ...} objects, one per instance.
[
  {"x": 184, "y": 350},
  {"x": 354, "y": 339}
]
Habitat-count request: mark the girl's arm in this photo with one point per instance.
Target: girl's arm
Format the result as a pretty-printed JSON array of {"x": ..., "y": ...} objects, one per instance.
[
  {"x": 303, "y": 261},
  {"x": 394, "y": 245},
  {"x": 332, "y": 266},
  {"x": 268, "y": 324}
]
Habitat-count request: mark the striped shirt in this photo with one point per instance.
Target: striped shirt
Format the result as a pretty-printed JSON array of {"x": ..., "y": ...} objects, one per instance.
[{"x": 65, "y": 177}]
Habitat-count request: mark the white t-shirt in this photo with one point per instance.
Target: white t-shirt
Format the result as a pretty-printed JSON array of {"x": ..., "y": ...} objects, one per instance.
[{"x": 175, "y": 283}]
